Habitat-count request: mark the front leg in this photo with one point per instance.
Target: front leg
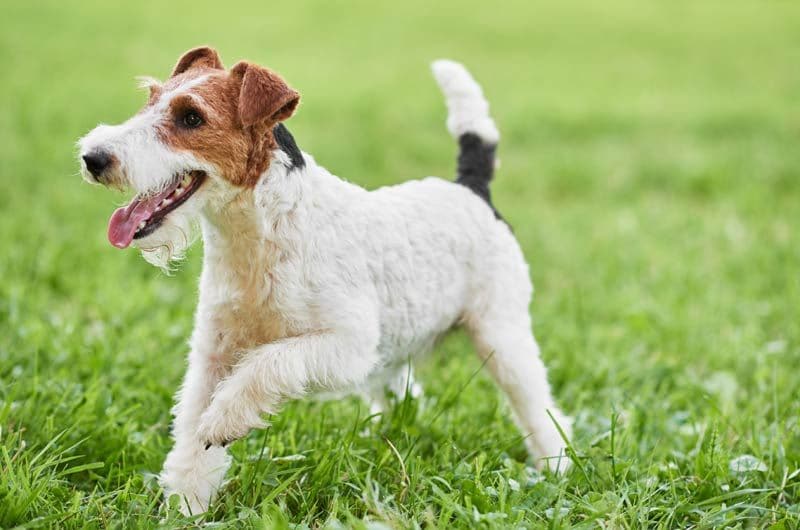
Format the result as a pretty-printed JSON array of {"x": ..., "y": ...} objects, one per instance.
[
  {"x": 286, "y": 369},
  {"x": 191, "y": 472}
]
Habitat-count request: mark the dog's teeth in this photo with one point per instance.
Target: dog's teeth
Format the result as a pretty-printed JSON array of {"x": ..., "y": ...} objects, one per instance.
[
  {"x": 179, "y": 191},
  {"x": 142, "y": 224},
  {"x": 186, "y": 180},
  {"x": 166, "y": 202}
]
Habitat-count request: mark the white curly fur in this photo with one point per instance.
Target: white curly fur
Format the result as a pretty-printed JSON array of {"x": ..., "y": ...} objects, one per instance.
[{"x": 311, "y": 284}]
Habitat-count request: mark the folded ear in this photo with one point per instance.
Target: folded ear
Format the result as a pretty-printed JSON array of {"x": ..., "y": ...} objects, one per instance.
[
  {"x": 263, "y": 95},
  {"x": 203, "y": 57}
]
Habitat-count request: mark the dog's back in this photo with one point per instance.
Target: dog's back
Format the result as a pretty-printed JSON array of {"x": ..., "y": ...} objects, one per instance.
[{"x": 441, "y": 243}]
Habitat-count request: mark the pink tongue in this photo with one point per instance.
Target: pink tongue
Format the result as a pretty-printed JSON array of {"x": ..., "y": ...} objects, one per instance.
[{"x": 125, "y": 221}]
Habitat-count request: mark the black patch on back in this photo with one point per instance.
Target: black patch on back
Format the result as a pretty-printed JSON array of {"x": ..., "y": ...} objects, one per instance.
[
  {"x": 286, "y": 143},
  {"x": 476, "y": 166}
]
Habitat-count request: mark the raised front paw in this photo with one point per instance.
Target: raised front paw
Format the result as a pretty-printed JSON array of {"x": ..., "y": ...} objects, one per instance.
[{"x": 223, "y": 423}]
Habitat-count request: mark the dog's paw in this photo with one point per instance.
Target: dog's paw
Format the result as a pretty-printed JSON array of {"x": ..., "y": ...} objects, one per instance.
[
  {"x": 549, "y": 445},
  {"x": 220, "y": 425},
  {"x": 188, "y": 505},
  {"x": 191, "y": 476},
  {"x": 215, "y": 430}
]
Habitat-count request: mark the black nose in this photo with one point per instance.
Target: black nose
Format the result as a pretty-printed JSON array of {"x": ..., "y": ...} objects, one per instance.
[{"x": 97, "y": 162}]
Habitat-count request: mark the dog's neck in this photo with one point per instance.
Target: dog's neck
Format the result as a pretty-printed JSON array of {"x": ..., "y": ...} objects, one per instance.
[
  {"x": 273, "y": 216},
  {"x": 245, "y": 222},
  {"x": 263, "y": 224},
  {"x": 239, "y": 220}
]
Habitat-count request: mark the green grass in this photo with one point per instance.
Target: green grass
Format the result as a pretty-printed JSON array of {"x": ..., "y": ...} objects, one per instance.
[{"x": 650, "y": 168}]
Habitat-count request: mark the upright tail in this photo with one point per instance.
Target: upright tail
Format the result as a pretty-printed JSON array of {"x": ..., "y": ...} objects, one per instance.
[{"x": 468, "y": 120}]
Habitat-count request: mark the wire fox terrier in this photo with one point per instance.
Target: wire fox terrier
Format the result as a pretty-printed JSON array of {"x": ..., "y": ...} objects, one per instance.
[{"x": 310, "y": 283}]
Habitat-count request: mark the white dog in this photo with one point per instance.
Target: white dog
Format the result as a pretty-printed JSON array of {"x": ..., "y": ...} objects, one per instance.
[{"x": 310, "y": 283}]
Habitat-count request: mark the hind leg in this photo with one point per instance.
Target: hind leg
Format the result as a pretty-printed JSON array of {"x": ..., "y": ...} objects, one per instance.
[
  {"x": 512, "y": 356},
  {"x": 396, "y": 383},
  {"x": 500, "y": 326}
]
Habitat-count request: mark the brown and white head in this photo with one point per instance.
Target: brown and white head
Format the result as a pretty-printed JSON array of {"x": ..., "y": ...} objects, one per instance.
[{"x": 204, "y": 136}]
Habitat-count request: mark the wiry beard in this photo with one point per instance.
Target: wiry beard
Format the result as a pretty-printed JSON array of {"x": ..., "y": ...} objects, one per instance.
[{"x": 167, "y": 246}]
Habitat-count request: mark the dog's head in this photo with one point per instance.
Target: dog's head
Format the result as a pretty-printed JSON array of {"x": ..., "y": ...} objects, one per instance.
[{"x": 204, "y": 135}]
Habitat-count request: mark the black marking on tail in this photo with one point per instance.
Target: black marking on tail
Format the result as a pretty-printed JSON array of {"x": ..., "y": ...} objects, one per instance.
[
  {"x": 476, "y": 166},
  {"x": 286, "y": 143}
]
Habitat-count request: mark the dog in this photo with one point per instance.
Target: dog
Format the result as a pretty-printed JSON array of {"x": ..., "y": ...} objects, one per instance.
[{"x": 311, "y": 284}]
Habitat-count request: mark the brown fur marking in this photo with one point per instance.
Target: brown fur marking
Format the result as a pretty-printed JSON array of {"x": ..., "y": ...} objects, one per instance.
[
  {"x": 239, "y": 109},
  {"x": 264, "y": 95},
  {"x": 202, "y": 57}
]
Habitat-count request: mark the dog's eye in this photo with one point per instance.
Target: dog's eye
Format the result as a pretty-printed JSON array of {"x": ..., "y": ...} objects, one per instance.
[{"x": 191, "y": 119}]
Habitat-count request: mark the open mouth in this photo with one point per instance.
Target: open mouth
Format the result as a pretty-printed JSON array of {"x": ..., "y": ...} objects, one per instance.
[{"x": 145, "y": 213}]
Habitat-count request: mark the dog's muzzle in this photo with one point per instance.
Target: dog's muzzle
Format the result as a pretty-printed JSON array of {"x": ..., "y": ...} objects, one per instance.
[{"x": 145, "y": 213}]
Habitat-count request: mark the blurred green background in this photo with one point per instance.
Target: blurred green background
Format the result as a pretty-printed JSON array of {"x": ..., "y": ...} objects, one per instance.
[{"x": 651, "y": 171}]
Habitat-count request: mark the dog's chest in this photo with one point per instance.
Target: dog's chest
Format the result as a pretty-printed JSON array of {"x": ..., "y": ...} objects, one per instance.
[{"x": 243, "y": 304}]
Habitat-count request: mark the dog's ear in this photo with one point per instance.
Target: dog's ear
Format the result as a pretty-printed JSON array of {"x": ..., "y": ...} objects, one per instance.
[
  {"x": 263, "y": 95},
  {"x": 203, "y": 57}
]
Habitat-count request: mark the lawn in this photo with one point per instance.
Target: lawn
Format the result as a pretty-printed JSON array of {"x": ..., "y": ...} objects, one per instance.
[{"x": 650, "y": 169}]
